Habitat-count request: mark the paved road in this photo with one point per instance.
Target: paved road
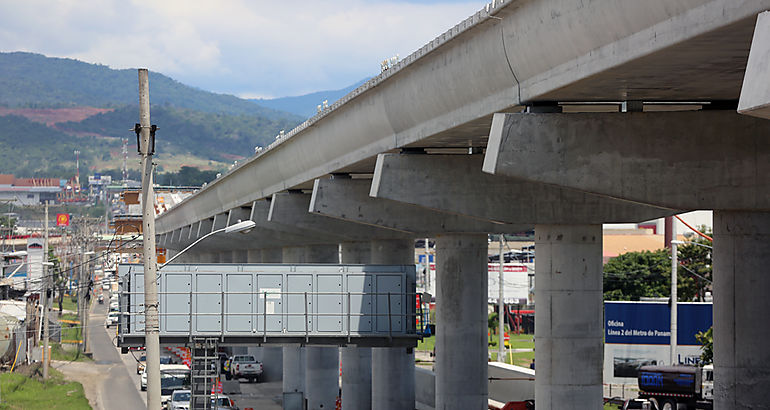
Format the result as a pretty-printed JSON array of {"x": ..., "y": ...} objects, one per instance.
[
  {"x": 118, "y": 391},
  {"x": 262, "y": 396}
]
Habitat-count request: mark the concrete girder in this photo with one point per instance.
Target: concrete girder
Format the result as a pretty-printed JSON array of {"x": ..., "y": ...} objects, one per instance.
[
  {"x": 603, "y": 50},
  {"x": 683, "y": 160},
  {"x": 238, "y": 214},
  {"x": 220, "y": 221},
  {"x": 456, "y": 184},
  {"x": 292, "y": 209},
  {"x": 755, "y": 94},
  {"x": 204, "y": 226},
  {"x": 349, "y": 199},
  {"x": 286, "y": 235}
]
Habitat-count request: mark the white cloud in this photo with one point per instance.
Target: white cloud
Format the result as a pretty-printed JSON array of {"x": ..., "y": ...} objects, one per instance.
[{"x": 237, "y": 46}]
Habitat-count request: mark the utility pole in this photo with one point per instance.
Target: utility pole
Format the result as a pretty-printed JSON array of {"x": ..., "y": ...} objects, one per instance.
[
  {"x": 86, "y": 269},
  {"x": 501, "y": 307},
  {"x": 79, "y": 245},
  {"x": 46, "y": 299},
  {"x": 427, "y": 265},
  {"x": 146, "y": 134}
]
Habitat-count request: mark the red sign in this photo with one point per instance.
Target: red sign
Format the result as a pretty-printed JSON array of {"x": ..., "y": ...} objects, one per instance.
[
  {"x": 62, "y": 219},
  {"x": 495, "y": 267}
]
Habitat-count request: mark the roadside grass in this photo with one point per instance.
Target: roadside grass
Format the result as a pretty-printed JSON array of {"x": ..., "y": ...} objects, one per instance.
[
  {"x": 522, "y": 359},
  {"x": 523, "y": 341},
  {"x": 69, "y": 332},
  {"x": 29, "y": 391},
  {"x": 427, "y": 343},
  {"x": 68, "y": 304}
]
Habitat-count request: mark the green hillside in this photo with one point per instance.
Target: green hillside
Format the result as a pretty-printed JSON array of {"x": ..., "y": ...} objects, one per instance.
[
  {"x": 39, "y": 128},
  {"x": 211, "y": 136},
  {"x": 34, "y": 80},
  {"x": 31, "y": 149}
]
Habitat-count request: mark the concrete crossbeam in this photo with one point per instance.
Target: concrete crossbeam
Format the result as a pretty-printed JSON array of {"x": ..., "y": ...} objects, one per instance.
[
  {"x": 755, "y": 93},
  {"x": 292, "y": 209},
  {"x": 682, "y": 160},
  {"x": 349, "y": 199},
  {"x": 457, "y": 185},
  {"x": 285, "y": 234}
]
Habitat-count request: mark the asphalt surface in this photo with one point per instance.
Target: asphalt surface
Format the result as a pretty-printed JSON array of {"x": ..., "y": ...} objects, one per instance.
[
  {"x": 120, "y": 388},
  {"x": 118, "y": 391}
]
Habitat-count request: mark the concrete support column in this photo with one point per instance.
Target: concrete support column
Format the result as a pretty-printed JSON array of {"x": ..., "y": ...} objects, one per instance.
[
  {"x": 240, "y": 256},
  {"x": 293, "y": 371},
  {"x": 322, "y": 369},
  {"x": 568, "y": 317},
  {"x": 293, "y": 356},
  {"x": 209, "y": 257},
  {"x": 272, "y": 255},
  {"x": 393, "y": 368},
  {"x": 322, "y": 377},
  {"x": 272, "y": 357},
  {"x": 356, "y": 361},
  {"x": 294, "y": 254},
  {"x": 254, "y": 255},
  {"x": 461, "y": 322},
  {"x": 741, "y": 328},
  {"x": 226, "y": 257}
]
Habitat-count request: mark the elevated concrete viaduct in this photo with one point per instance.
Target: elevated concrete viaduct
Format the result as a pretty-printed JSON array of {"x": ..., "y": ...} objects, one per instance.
[{"x": 520, "y": 82}]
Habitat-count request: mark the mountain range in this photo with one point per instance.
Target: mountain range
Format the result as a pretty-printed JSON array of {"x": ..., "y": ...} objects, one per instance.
[
  {"x": 306, "y": 105},
  {"x": 50, "y": 107}
]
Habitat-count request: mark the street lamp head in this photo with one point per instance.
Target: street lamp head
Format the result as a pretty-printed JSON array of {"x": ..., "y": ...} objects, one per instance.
[{"x": 241, "y": 226}]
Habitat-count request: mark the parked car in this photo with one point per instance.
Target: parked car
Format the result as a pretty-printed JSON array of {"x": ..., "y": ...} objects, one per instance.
[
  {"x": 112, "y": 319},
  {"x": 180, "y": 400},
  {"x": 244, "y": 366}
]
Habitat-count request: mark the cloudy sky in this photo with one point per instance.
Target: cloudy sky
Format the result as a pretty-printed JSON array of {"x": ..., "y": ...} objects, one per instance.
[{"x": 248, "y": 48}]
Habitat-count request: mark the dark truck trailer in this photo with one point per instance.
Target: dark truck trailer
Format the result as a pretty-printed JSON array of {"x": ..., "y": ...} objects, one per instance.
[{"x": 672, "y": 387}]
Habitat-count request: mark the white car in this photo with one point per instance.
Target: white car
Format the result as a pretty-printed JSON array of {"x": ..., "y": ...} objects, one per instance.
[
  {"x": 112, "y": 319},
  {"x": 165, "y": 364},
  {"x": 180, "y": 400}
]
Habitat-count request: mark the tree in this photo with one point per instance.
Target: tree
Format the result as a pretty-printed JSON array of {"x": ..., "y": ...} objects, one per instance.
[
  {"x": 634, "y": 275},
  {"x": 695, "y": 261},
  {"x": 707, "y": 340}
]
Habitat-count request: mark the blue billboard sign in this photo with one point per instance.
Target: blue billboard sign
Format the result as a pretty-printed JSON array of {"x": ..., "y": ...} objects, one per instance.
[{"x": 649, "y": 323}]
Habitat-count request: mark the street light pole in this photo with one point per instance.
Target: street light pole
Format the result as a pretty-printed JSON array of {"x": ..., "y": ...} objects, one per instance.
[
  {"x": 501, "y": 307},
  {"x": 151, "y": 321},
  {"x": 674, "y": 284}
]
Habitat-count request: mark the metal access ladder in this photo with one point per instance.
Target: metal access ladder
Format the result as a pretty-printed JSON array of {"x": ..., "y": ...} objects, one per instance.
[{"x": 204, "y": 372}]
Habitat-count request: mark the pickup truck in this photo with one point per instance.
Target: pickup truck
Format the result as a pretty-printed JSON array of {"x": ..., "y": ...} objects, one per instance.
[
  {"x": 244, "y": 366},
  {"x": 669, "y": 387}
]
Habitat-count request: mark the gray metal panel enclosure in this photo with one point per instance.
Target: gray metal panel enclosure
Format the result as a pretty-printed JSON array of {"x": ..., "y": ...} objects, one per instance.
[{"x": 235, "y": 301}]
